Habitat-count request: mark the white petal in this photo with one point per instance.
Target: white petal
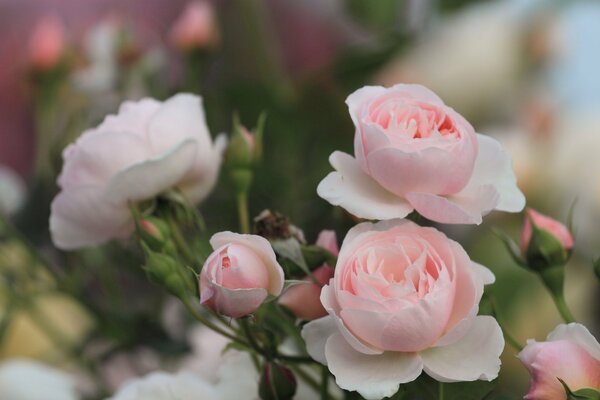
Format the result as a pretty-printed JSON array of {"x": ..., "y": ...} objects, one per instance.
[
  {"x": 149, "y": 178},
  {"x": 315, "y": 335},
  {"x": 461, "y": 208},
  {"x": 484, "y": 273},
  {"x": 475, "y": 356},
  {"x": 493, "y": 166},
  {"x": 80, "y": 217},
  {"x": 356, "y": 192},
  {"x": 373, "y": 376},
  {"x": 579, "y": 334}
]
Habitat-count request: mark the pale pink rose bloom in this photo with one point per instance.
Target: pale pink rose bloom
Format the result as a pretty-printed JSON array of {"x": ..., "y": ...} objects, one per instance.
[
  {"x": 196, "y": 27},
  {"x": 541, "y": 221},
  {"x": 239, "y": 274},
  {"x": 404, "y": 299},
  {"x": 146, "y": 149},
  {"x": 304, "y": 299},
  {"x": 415, "y": 153},
  {"x": 570, "y": 353},
  {"x": 47, "y": 43}
]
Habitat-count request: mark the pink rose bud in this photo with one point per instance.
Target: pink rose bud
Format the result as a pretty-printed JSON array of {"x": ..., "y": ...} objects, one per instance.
[
  {"x": 571, "y": 354},
  {"x": 196, "y": 27},
  {"x": 47, "y": 43},
  {"x": 239, "y": 274},
  {"x": 541, "y": 221},
  {"x": 303, "y": 299}
]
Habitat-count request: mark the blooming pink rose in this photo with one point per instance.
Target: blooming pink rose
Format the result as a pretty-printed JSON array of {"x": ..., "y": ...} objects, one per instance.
[
  {"x": 303, "y": 299},
  {"x": 196, "y": 27},
  {"x": 403, "y": 299},
  {"x": 415, "y": 153},
  {"x": 239, "y": 274},
  {"x": 541, "y": 221},
  {"x": 47, "y": 43},
  {"x": 147, "y": 149},
  {"x": 570, "y": 353}
]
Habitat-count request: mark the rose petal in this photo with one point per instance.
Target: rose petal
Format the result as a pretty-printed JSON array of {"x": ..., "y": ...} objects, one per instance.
[
  {"x": 356, "y": 192},
  {"x": 149, "y": 178},
  {"x": 463, "y": 208},
  {"x": 80, "y": 218},
  {"x": 475, "y": 356},
  {"x": 579, "y": 334},
  {"x": 234, "y": 303},
  {"x": 373, "y": 376},
  {"x": 493, "y": 166},
  {"x": 315, "y": 335}
]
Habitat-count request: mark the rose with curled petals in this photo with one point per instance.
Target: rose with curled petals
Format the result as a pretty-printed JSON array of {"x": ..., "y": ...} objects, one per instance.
[
  {"x": 404, "y": 299},
  {"x": 570, "y": 353},
  {"x": 148, "y": 148},
  {"x": 415, "y": 153}
]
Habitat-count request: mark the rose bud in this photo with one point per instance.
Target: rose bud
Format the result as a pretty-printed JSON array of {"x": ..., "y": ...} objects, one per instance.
[
  {"x": 239, "y": 274},
  {"x": 570, "y": 354},
  {"x": 155, "y": 233},
  {"x": 47, "y": 44},
  {"x": 544, "y": 241},
  {"x": 276, "y": 383},
  {"x": 304, "y": 299},
  {"x": 196, "y": 27}
]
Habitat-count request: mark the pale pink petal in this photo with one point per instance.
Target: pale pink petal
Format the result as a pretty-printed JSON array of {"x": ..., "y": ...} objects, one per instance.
[
  {"x": 234, "y": 303},
  {"x": 483, "y": 273},
  {"x": 80, "y": 217},
  {"x": 356, "y": 192},
  {"x": 579, "y": 334},
  {"x": 315, "y": 335},
  {"x": 152, "y": 177},
  {"x": 180, "y": 117},
  {"x": 262, "y": 247},
  {"x": 476, "y": 356},
  {"x": 493, "y": 166},
  {"x": 373, "y": 376},
  {"x": 463, "y": 208},
  {"x": 328, "y": 240},
  {"x": 360, "y": 97},
  {"x": 133, "y": 117}
]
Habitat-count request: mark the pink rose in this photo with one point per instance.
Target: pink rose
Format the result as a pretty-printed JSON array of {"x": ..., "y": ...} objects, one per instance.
[
  {"x": 196, "y": 26},
  {"x": 415, "y": 153},
  {"x": 239, "y": 274},
  {"x": 47, "y": 43},
  {"x": 303, "y": 299},
  {"x": 541, "y": 221},
  {"x": 146, "y": 149},
  {"x": 570, "y": 353},
  {"x": 404, "y": 299}
]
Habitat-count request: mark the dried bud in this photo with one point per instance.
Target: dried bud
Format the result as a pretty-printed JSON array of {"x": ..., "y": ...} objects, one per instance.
[{"x": 272, "y": 225}]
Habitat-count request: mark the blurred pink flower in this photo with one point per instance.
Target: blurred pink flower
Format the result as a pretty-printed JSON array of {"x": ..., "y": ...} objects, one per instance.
[
  {"x": 404, "y": 299},
  {"x": 304, "y": 299},
  {"x": 570, "y": 353},
  {"x": 196, "y": 27},
  {"x": 47, "y": 44},
  {"x": 148, "y": 148},
  {"x": 541, "y": 221},
  {"x": 415, "y": 153},
  {"x": 239, "y": 275}
]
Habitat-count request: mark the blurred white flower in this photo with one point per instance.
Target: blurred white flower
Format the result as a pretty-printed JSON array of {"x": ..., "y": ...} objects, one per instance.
[
  {"x": 12, "y": 191},
  {"x": 163, "y": 386},
  {"x": 21, "y": 379}
]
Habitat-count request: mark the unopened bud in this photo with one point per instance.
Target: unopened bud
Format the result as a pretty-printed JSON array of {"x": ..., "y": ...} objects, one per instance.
[
  {"x": 276, "y": 383},
  {"x": 155, "y": 233},
  {"x": 168, "y": 272}
]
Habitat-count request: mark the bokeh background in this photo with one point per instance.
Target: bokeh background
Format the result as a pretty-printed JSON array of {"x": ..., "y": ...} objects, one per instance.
[{"x": 523, "y": 71}]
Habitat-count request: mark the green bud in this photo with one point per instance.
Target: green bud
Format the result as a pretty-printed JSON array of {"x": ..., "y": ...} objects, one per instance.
[
  {"x": 166, "y": 271},
  {"x": 245, "y": 147},
  {"x": 276, "y": 383},
  {"x": 545, "y": 250},
  {"x": 154, "y": 232}
]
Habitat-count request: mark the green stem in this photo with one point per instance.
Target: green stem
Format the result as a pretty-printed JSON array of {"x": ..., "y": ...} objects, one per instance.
[
  {"x": 324, "y": 383},
  {"x": 250, "y": 336},
  {"x": 212, "y": 326},
  {"x": 563, "y": 308},
  {"x": 242, "y": 203},
  {"x": 181, "y": 243},
  {"x": 441, "y": 394}
]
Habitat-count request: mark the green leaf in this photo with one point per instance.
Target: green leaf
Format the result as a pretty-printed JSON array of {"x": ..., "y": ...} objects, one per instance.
[
  {"x": 580, "y": 394},
  {"x": 511, "y": 247}
]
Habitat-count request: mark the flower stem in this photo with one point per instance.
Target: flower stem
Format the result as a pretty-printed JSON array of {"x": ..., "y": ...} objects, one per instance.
[
  {"x": 242, "y": 203},
  {"x": 563, "y": 308},
  {"x": 441, "y": 391},
  {"x": 212, "y": 326},
  {"x": 324, "y": 383}
]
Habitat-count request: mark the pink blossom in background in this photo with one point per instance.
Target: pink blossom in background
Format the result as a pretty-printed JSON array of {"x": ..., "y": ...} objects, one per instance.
[
  {"x": 404, "y": 299},
  {"x": 196, "y": 27},
  {"x": 541, "y": 221},
  {"x": 47, "y": 44},
  {"x": 570, "y": 353}
]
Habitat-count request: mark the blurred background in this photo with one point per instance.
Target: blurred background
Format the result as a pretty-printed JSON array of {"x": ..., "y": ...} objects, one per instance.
[{"x": 523, "y": 71}]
